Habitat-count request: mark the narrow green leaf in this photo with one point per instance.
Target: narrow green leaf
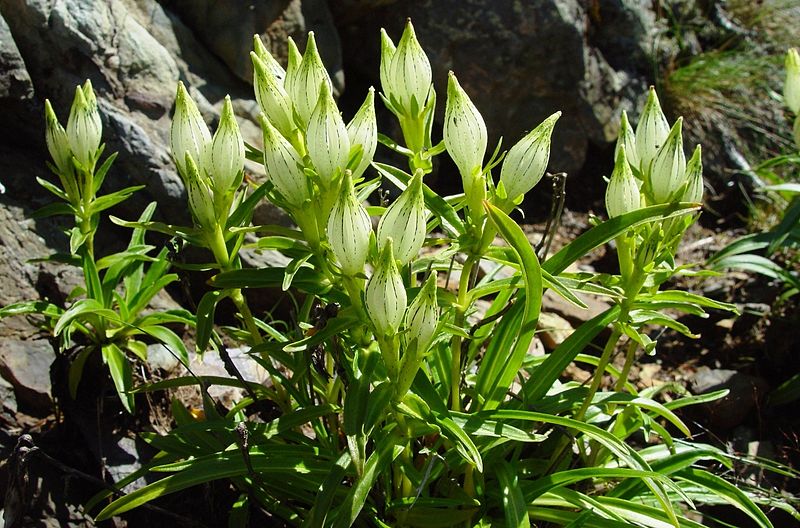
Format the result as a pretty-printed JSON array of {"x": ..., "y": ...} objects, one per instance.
[
  {"x": 170, "y": 339},
  {"x": 514, "y": 505},
  {"x": 206, "y": 309},
  {"x": 120, "y": 368}
]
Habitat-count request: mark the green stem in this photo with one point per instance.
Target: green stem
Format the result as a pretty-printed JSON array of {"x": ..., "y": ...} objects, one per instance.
[
  {"x": 608, "y": 350},
  {"x": 630, "y": 355},
  {"x": 461, "y": 309}
]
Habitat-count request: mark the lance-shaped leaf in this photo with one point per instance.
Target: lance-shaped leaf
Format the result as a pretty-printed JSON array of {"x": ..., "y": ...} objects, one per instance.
[
  {"x": 271, "y": 96},
  {"x": 326, "y": 138},
  {"x": 385, "y": 296},
  {"x": 349, "y": 229},
  {"x": 791, "y": 85},
  {"x": 284, "y": 167},
  {"x": 627, "y": 138},
  {"x": 363, "y": 130},
  {"x": 464, "y": 131},
  {"x": 303, "y": 81},
  {"x": 189, "y": 133},
  {"x": 404, "y": 222},
  {"x": 668, "y": 171},
  {"x": 651, "y": 131},
  {"x": 225, "y": 152},
  {"x": 622, "y": 193},
  {"x": 84, "y": 129},
  {"x": 526, "y": 162},
  {"x": 694, "y": 178},
  {"x": 409, "y": 75}
]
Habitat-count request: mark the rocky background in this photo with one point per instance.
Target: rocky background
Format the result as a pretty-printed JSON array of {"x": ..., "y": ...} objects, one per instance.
[{"x": 519, "y": 60}]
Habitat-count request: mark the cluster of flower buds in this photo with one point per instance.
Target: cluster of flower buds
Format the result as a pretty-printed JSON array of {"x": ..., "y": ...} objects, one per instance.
[
  {"x": 77, "y": 146},
  {"x": 791, "y": 89},
  {"x": 304, "y": 134},
  {"x": 211, "y": 167},
  {"x": 650, "y": 166}
]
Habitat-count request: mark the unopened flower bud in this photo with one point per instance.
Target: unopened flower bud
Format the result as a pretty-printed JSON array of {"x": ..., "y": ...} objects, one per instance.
[
  {"x": 225, "y": 153},
  {"x": 201, "y": 200},
  {"x": 303, "y": 82},
  {"x": 269, "y": 62},
  {"x": 189, "y": 133},
  {"x": 326, "y": 138},
  {"x": 651, "y": 131},
  {"x": 84, "y": 129},
  {"x": 668, "y": 171},
  {"x": 363, "y": 130},
  {"x": 388, "y": 50},
  {"x": 57, "y": 142},
  {"x": 385, "y": 296},
  {"x": 622, "y": 193},
  {"x": 791, "y": 86},
  {"x": 349, "y": 229},
  {"x": 283, "y": 166},
  {"x": 526, "y": 162},
  {"x": 627, "y": 138},
  {"x": 694, "y": 178},
  {"x": 404, "y": 222},
  {"x": 464, "y": 131},
  {"x": 409, "y": 76},
  {"x": 271, "y": 96},
  {"x": 422, "y": 317}
]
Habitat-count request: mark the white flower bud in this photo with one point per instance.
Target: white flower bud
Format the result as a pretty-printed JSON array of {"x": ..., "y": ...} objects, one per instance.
[
  {"x": 225, "y": 153},
  {"x": 349, "y": 229},
  {"x": 303, "y": 82},
  {"x": 271, "y": 65},
  {"x": 651, "y": 131},
  {"x": 791, "y": 86},
  {"x": 327, "y": 140},
  {"x": 271, "y": 96},
  {"x": 189, "y": 133},
  {"x": 385, "y": 296},
  {"x": 422, "y": 317},
  {"x": 57, "y": 142},
  {"x": 409, "y": 75},
  {"x": 694, "y": 178},
  {"x": 201, "y": 200},
  {"x": 627, "y": 138},
  {"x": 363, "y": 130},
  {"x": 526, "y": 162},
  {"x": 668, "y": 170},
  {"x": 284, "y": 167},
  {"x": 464, "y": 132},
  {"x": 404, "y": 222},
  {"x": 622, "y": 193},
  {"x": 388, "y": 50},
  {"x": 84, "y": 129}
]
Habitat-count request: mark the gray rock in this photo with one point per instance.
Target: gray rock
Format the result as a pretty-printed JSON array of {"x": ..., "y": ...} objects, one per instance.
[
  {"x": 25, "y": 365},
  {"x": 745, "y": 393}
]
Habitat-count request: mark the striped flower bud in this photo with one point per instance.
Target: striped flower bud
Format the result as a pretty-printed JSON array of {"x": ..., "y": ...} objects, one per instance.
[
  {"x": 791, "y": 86},
  {"x": 349, "y": 229},
  {"x": 303, "y": 81},
  {"x": 271, "y": 65},
  {"x": 422, "y": 317},
  {"x": 526, "y": 162},
  {"x": 189, "y": 132},
  {"x": 627, "y": 138},
  {"x": 284, "y": 167},
  {"x": 201, "y": 200},
  {"x": 464, "y": 131},
  {"x": 409, "y": 75},
  {"x": 668, "y": 170},
  {"x": 404, "y": 222},
  {"x": 327, "y": 140},
  {"x": 651, "y": 131},
  {"x": 388, "y": 50},
  {"x": 622, "y": 193},
  {"x": 57, "y": 142},
  {"x": 694, "y": 178},
  {"x": 271, "y": 96},
  {"x": 84, "y": 129},
  {"x": 225, "y": 153},
  {"x": 363, "y": 130},
  {"x": 385, "y": 296}
]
